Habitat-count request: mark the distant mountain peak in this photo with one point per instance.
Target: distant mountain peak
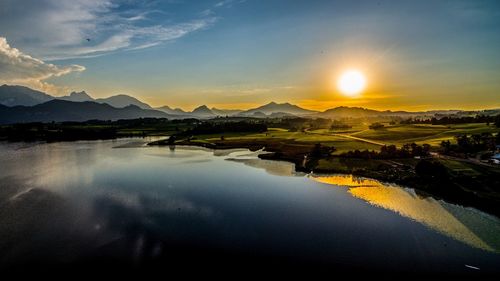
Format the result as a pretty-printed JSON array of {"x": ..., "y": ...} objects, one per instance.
[
  {"x": 77, "y": 97},
  {"x": 175, "y": 111},
  {"x": 82, "y": 93},
  {"x": 12, "y": 95},
  {"x": 281, "y": 108},
  {"x": 121, "y": 96},
  {"x": 62, "y": 110},
  {"x": 165, "y": 107},
  {"x": 202, "y": 107},
  {"x": 203, "y": 111},
  {"x": 225, "y": 112},
  {"x": 122, "y": 100}
]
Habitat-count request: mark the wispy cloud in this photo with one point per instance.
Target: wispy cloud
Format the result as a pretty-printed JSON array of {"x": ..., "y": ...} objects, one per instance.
[
  {"x": 19, "y": 68},
  {"x": 54, "y": 30},
  {"x": 224, "y": 3}
]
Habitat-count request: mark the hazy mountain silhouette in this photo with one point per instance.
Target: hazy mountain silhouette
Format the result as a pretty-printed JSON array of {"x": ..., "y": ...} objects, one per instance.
[
  {"x": 225, "y": 112},
  {"x": 22, "y": 104},
  {"x": 281, "y": 115},
  {"x": 167, "y": 109},
  {"x": 273, "y": 107},
  {"x": 61, "y": 110},
  {"x": 203, "y": 111},
  {"x": 20, "y": 95},
  {"x": 77, "y": 97},
  {"x": 123, "y": 101},
  {"x": 199, "y": 112},
  {"x": 258, "y": 114},
  {"x": 343, "y": 111}
]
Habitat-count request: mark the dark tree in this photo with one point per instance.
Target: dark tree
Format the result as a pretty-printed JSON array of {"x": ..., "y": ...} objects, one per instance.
[
  {"x": 431, "y": 170},
  {"x": 321, "y": 151},
  {"x": 171, "y": 139}
]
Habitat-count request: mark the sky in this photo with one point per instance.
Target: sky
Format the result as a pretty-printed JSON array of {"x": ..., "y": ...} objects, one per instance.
[{"x": 415, "y": 55}]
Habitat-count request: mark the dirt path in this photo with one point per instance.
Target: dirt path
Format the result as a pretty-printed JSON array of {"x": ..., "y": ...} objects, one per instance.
[
  {"x": 465, "y": 160},
  {"x": 348, "y": 137},
  {"x": 359, "y": 139}
]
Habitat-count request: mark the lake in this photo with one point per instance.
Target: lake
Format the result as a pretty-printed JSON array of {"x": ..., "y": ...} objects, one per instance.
[{"x": 121, "y": 202}]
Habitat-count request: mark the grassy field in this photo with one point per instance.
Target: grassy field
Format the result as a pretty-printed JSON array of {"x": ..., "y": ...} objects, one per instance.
[
  {"x": 391, "y": 134},
  {"x": 460, "y": 168},
  {"x": 430, "y": 134},
  {"x": 340, "y": 143}
]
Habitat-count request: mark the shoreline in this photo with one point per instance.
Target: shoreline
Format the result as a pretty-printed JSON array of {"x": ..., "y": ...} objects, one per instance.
[
  {"x": 295, "y": 153},
  {"x": 397, "y": 175}
]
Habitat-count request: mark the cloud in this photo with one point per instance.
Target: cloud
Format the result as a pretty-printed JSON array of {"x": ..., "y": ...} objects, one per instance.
[
  {"x": 19, "y": 68},
  {"x": 53, "y": 29},
  {"x": 218, "y": 5}
]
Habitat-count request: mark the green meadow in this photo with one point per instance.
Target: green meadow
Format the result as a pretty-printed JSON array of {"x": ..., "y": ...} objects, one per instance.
[{"x": 361, "y": 137}]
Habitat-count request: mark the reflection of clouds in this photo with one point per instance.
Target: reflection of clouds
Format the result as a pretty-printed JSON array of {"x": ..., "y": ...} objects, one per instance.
[
  {"x": 177, "y": 205},
  {"x": 59, "y": 167},
  {"x": 146, "y": 226},
  {"x": 151, "y": 203},
  {"x": 276, "y": 168},
  {"x": 235, "y": 152},
  {"x": 466, "y": 225},
  {"x": 63, "y": 165},
  {"x": 40, "y": 225},
  {"x": 251, "y": 158},
  {"x": 11, "y": 187},
  {"x": 132, "y": 144}
]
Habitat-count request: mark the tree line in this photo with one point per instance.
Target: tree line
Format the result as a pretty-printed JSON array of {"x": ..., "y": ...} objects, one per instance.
[
  {"x": 455, "y": 120},
  {"x": 471, "y": 144},
  {"x": 390, "y": 152}
]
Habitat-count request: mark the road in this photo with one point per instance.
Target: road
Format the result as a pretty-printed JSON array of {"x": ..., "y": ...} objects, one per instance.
[
  {"x": 433, "y": 154},
  {"x": 347, "y": 136}
]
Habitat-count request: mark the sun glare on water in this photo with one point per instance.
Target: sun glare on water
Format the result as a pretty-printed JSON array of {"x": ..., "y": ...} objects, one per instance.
[{"x": 351, "y": 83}]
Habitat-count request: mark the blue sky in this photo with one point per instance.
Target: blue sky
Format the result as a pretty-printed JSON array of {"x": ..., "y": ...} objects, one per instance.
[{"x": 415, "y": 54}]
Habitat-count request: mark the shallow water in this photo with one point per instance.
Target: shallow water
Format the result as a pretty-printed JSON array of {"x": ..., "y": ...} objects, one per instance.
[{"x": 66, "y": 201}]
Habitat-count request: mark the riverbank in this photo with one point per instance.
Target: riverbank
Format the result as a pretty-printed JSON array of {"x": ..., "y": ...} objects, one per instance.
[{"x": 479, "y": 191}]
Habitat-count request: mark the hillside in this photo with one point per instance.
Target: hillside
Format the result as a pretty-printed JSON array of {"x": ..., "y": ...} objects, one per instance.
[
  {"x": 20, "y": 95},
  {"x": 123, "y": 101},
  {"x": 60, "y": 110},
  {"x": 273, "y": 107}
]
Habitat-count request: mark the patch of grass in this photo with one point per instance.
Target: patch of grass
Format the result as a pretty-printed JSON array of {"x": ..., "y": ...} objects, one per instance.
[
  {"x": 340, "y": 143},
  {"x": 459, "y": 168},
  {"x": 333, "y": 164},
  {"x": 399, "y": 134},
  {"x": 423, "y": 133},
  {"x": 344, "y": 145}
]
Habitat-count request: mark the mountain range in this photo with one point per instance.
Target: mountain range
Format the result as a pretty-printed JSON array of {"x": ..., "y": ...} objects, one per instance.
[
  {"x": 273, "y": 107},
  {"x": 22, "y": 104},
  {"x": 61, "y": 110}
]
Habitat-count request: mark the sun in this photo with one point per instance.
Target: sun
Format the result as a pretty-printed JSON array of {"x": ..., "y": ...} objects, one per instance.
[{"x": 351, "y": 83}]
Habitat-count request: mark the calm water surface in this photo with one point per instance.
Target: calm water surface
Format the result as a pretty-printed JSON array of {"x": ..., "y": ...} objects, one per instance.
[{"x": 66, "y": 202}]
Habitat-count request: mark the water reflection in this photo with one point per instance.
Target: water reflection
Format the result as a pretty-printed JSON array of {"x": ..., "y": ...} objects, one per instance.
[
  {"x": 124, "y": 200},
  {"x": 271, "y": 167},
  {"x": 463, "y": 224},
  {"x": 276, "y": 168}
]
